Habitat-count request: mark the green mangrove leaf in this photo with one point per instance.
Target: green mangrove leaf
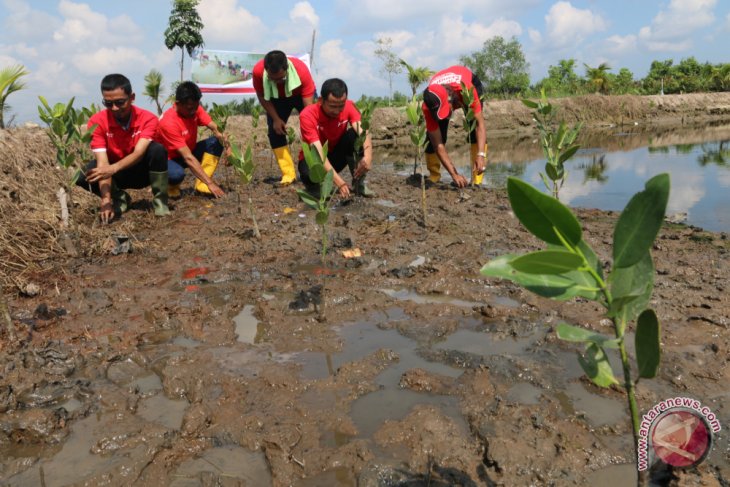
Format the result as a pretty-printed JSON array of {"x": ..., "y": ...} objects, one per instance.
[
  {"x": 547, "y": 262},
  {"x": 552, "y": 171},
  {"x": 322, "y": 217},
  {"x": 639, "y": 223},
  {"x": 569, "y": 152},
  {"x": 541, "y": 214},
  {"x": 307, "y": 199},
  {"x": 596, "y": 366},
  {"x": 647, "y": 341},
  {"x": 571, "y": 333},
  {"x": 631, "y": 288},
  {"x": 529, "y": 104},
  {"x": 548, "y": 286},
  {"x": 328, "y": 186}
]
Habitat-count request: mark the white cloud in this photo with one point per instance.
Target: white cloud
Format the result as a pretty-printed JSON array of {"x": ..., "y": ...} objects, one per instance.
[
  {"x": 567, "y": 25},
  {"x": 224, "y": 21},
  {"x": 303, "y": 11},
  {"x": 670, "y": 28},
  {"x": 109, "y": 60},
  {"x": 83, "y": 25},
  {"x": 621, "y": 44},
  {"x": 334, "y": 61},
  {"x": 6, "y": 61},
  {"x": 23, "y": 22},
  {"x": 535, "y": 36},
  {"x": 456, "y": 37}
]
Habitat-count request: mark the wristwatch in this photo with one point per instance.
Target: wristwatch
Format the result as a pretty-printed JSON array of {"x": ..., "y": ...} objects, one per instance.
[{"x": 481, "y": 154}]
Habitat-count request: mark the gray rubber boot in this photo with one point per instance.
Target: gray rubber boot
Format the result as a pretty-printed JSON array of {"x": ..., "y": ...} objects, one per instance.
[
  {"x": 159, "y": 185},
  {"x": 121, "y": 200}
]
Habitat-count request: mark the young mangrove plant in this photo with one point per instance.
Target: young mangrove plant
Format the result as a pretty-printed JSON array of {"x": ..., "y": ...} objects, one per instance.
[
  {"x": 569, "y": 268},
  {"x": 366, "y": 114},
  {"x": 242, "y": 163},
  {"x": 325, "y": 179},
  {"x": 558, "y": 145},
  {"x": 418, "y": 139},
  {"x": 71, "y": 143}
]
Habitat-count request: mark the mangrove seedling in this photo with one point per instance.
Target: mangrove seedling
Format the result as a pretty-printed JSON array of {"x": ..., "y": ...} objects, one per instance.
[
  {"x": 242, "y": 163},
  {"x": 558, "y": 145},
  {"x": 321, "y": 202},
  {"x": 71, "y": 143},
  {"x": 569, "y": 268},
  {"x": 418, "y": 139},
  {"x": 366, "y": 114}
]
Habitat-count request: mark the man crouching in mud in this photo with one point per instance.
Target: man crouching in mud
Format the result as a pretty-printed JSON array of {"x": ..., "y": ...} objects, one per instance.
[
  {"x": 125, "y": 154},
  {"x": 335, "y": 120}
]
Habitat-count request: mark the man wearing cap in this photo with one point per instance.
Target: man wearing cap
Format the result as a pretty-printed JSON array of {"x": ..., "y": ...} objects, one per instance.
[
  {"x": 440, "y": 98},
  {"x": 282, "y": 84}
]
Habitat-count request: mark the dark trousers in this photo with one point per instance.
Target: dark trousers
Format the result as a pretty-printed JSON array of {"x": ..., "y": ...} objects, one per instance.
[
  {"x": 135, "y": 177},
  {"x": 176, "y": 167},
  {"x": 341, "y": 156},
  {"x": 444, "y": 124},
  {"x": 284, "y": 107}
]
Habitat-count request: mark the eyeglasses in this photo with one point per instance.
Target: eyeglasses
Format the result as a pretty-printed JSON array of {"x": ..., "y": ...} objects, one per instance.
[{"x": 118, "y": 103}]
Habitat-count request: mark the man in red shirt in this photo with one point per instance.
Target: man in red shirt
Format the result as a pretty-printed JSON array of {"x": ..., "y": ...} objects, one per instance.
[
  {"x": 440, "y": 98},
  {"x": 281, "y": 85},
  {"x": 178, "y": 132},
  {"x": 336, "y": 121},
  {"x": 124, "y": 152}
]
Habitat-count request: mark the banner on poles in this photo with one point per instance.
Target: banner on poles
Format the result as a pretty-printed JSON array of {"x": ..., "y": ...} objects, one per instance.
[{"x": 227, "y": 72}]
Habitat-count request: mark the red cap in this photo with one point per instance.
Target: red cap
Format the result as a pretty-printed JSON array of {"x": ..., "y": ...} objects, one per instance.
[{"x": 436, "y": 99}]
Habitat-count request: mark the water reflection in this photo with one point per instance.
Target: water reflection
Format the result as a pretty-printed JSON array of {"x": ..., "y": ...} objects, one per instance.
[{"x": 718, "y": 154}]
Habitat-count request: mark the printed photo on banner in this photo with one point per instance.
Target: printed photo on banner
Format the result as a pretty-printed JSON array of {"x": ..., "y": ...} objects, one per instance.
[{"x": 227, "y": 72}]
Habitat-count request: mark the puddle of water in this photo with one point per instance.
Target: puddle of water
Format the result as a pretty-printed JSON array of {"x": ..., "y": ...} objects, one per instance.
[
  {"x": 598, "y": 410},
  {"x": 147, "y": 384},
  {"x": 481, "y": 343},
  {"x": 230, "y": 462},
  {"x": 372, "y": 410},
  {"x": 340, "y": 477},
  {"x": 625, "y": 474},
  {"x": 410, "y": 295},
  {"x": 247, "y": 326},
  {"x": 71, "y": 405},
  {"x": 386, "y": 203},
  {"x": 185, "y": 342},
  {"x": 74, "y": 462},
  {"x": 161, "y": 410},
  {"x": 524, "y": 393}
]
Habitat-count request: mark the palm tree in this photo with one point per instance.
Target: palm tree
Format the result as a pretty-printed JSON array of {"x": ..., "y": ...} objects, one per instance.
[
  {"x": 10, "y": 83},
  {"x": 416, "y": 76},
  {"x": 598, "y": 77},
  {"x": 184, "y": 29},
  {"x": 153, "y": 88}
]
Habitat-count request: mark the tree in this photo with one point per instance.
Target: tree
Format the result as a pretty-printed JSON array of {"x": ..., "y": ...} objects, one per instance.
[
  {"x": 597, "y": 78},
  {"x": 623, "y": 83},
  {"x": 500, "y": 65},
  {"x": 153, "y": 89},
  {"x": 184, "y": 29},
  {"x": 391, "y": 63},
  {"x": 416, "y": 76},
  {"x": 9, "y": 84}
]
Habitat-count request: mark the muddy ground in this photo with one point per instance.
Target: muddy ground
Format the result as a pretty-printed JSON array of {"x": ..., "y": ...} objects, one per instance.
[{"x": 200, "y": 355}]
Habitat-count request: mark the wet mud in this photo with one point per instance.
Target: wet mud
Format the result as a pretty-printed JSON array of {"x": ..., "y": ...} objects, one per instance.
[{"x": 200, "y": 355}]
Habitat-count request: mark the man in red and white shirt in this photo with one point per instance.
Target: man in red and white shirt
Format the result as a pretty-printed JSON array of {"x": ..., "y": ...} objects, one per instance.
[
  {"x": 440, "y": 98},
  {"x": 178, "y": 132},
  {"x": 124, "y": 152},
  {"x": 282, "y": 84},
  {"x": 336, "y": 122}
]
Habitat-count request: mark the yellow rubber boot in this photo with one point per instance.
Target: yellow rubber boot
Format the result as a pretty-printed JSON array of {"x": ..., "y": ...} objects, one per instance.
[
  {"x": 209, "y": 163},
  {"x": 173, "y": 190},
  {"x": 286, "y": 164},
  {"x": 433, "y": 163},
  {"x": 476, "y": 179}
]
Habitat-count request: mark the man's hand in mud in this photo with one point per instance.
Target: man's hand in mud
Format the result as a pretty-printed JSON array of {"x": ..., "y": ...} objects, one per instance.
[
  {"x": 343, "y": 190},
  {"x": 460, "y": 181},
  {"x": 216, "y": 190},
  {"x": 106, "y": 212}
]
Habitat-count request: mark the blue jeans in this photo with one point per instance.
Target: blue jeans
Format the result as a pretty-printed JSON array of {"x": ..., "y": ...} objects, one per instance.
[{"x": 176, "y": 167}]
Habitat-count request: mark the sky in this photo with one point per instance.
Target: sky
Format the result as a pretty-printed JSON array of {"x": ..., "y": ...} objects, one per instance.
[{"x": 68, "y": 46}]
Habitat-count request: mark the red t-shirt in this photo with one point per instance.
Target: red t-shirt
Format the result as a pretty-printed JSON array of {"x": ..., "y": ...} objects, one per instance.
[
  {"x": 175, "y": 132},
  {"x": 316, "y": 126},
  {"x": 305, "y": 90},
  {"x": 118, "y": 143},
  {"x": 453, "y": 77}
]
